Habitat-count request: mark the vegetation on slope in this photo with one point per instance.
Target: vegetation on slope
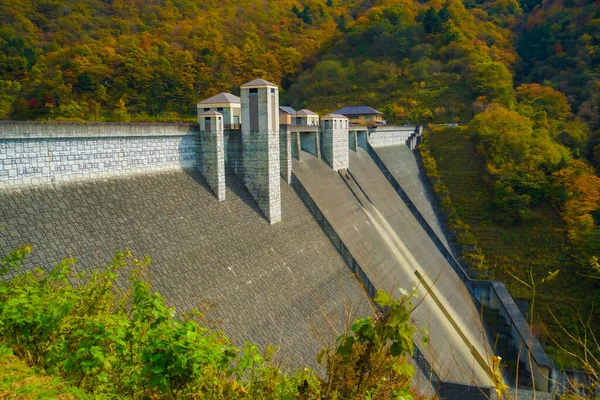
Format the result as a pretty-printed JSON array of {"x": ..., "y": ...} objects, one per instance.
[
  {"x": 483, "y": 211},
  {"x": 122, "y": 59},
  {"x": 19, "y": 381},
  {"x": 110, "y": 341},
  {"x": 417, "y": 62},
  {"x": 559, "y": 45}
]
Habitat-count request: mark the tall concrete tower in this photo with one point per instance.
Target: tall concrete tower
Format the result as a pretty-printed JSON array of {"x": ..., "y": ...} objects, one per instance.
[
  {"x": 334, "y": 135},
  {"x": 212, "y": 151},
  {"x": 260, "y": 143}
]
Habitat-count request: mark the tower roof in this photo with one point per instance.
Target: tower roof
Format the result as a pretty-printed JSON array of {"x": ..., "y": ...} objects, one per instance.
[
  {"x": 258, "y": 83},
  {"x": 358, "y": 110},
  {"x": 329, "y": 116},
  {"x": 287, "y": 110},
  {"x": 221, "y": 98},
  {"x": 304, "y": 111},
  {"x": 210, "y": 112}
]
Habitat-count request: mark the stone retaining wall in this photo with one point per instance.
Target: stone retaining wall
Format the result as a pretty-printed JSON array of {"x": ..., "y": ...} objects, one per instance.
[
  {"x": 47, "y": 153},
  {"x": 390, "y": 135}
]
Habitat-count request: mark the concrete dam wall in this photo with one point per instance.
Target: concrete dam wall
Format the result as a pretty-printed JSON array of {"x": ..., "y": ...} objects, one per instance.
[
  {"x": 401, "y": 162},
  {"x": 282, "y": 284},
  {"x": 215, "y": 210}
]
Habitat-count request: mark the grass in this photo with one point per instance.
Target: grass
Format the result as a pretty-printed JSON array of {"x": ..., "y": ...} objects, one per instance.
[
  {"x": 19, "y": 381},
  {"x": 539, "y": 246}
]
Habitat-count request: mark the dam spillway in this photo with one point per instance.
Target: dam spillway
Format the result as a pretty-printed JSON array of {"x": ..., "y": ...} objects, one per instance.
[{"x": 393, "y": 251}]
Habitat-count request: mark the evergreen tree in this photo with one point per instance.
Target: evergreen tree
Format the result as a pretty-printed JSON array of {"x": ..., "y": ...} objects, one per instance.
[
  {"x": 306, "y": 17},
  {"x": 432, "y": 22}
]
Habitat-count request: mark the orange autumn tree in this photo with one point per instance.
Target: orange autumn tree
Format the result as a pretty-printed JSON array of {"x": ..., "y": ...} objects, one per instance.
[{"x": 581, "y": 192}]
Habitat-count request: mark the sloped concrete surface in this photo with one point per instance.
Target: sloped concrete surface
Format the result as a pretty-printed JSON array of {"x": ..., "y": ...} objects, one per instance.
[
  {"x": 401, "y": 162},
  {"x": 393, "y": 250},
  {"x": 282, "y": 284}
]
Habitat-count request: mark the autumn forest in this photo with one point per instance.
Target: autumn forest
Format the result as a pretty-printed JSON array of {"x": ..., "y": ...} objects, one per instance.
[{"x": 520, "y": 77}]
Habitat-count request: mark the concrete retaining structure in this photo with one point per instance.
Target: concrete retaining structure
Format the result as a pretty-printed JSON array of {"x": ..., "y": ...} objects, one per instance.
[
  {"x": 334, "y": 138},
  {"x": 283, "y": 284},
  {"x": 390, "y": 135},
  {"x": 383, "y": 238},
  {"x": 212, "y": 151},
  {"x": 285, "y": 153},
  {"x": 233, "y": 151},
  {"x": 401, "y": 163},
  {"x": 34, "y": 153}
]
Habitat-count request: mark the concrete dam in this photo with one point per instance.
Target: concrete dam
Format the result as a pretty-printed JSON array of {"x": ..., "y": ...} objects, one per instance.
[{"x": 281, "y": 233}]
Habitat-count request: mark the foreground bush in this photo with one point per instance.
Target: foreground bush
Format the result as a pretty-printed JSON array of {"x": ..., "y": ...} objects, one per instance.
[{"x": 126, "y": 342}]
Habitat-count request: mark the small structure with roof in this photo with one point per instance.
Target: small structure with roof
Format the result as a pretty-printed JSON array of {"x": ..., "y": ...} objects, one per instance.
[
  {"x": 285, "y": 115},
  {"x": 362, "y": 115},
  {"x": 226, "y": 104},
  {"x": 306, "y": 117}
]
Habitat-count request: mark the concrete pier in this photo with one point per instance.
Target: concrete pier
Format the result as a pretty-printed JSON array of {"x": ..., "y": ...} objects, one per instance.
[
  {"x": 212, "y": 151},
  {"x": 260, "y": 140}
]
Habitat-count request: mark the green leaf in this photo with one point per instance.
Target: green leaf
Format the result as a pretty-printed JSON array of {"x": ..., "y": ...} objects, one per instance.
[
  {"x": 405, "y": 369},
  {"x": 395, "y": 349},
  {"x": 551, "y": 276},
  {"x": 346, "y": 347},
  {"x": 320, "y": 356},
  {"x": 383, "y": 299}
]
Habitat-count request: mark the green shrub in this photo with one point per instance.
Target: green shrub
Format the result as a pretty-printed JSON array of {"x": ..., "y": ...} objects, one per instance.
[{"x": 127, "y": 343}]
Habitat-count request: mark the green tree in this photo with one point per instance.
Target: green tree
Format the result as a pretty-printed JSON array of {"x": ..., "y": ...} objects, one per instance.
[
  {"x": 431, "y": 21},
  {"x": 120, "y": 112}
]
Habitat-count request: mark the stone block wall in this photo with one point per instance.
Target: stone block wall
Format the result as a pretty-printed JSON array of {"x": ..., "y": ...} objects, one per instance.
[
  {"x": 261, "y": 149},
  {"x": 285, "y": 153},
  {"x": 212, "y": 151},
  {"x": 390, "y": 136},
  {"x": 47, "y": 153},
  {"x": 335, "y": 145}
]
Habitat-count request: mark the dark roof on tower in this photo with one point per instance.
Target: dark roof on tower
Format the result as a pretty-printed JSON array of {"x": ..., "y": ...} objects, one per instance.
[
  {"x": 357, "y": 110},
  {"x": 258, "y": 82},
  {"x": 221, "y": 98},
  {"x": 287, "y": 110}
]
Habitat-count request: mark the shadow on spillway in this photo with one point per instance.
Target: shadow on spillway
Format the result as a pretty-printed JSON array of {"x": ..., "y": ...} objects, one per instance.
[{"x": 394, "y": 251}]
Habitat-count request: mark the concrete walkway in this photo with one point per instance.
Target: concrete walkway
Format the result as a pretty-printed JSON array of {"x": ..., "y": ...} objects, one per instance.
[{"x": 394, "y": 251}]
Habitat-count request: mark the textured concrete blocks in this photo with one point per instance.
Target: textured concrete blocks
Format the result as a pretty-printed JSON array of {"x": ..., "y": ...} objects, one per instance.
[
  {"x": 212, "y": 151},
  {"x": 260, "y": 142},
  {"x": 48, "y": 153},
  {"x": 390, "y": 135},
  {"x": 334, "y": 133},
  {"x": 285, "y": 153}
]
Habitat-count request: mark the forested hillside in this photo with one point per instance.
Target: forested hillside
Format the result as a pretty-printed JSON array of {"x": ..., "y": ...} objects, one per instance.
[
  {"x": 418, "y": 62},
  {"x": 559, "y": 44},
  {"x": 113, "y": 60},
  {"x": 524, "y": 76}
]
